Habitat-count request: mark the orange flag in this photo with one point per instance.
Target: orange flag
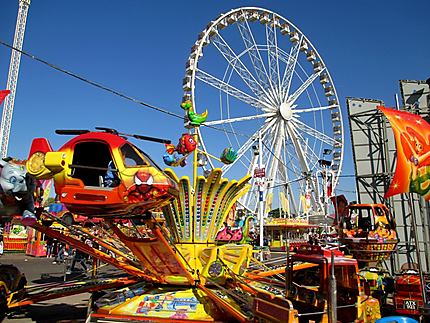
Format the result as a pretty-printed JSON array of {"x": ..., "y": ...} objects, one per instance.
[
  {"x": 3, "y": 95},
  {"x": 412, "y": 135}
]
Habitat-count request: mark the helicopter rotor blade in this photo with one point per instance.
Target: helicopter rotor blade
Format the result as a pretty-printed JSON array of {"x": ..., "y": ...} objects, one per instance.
[
  {"x": 71, "y": 132},
  {"x": 109, "y": 130},
  {"x": 147, "y": 138},
  {"x": 112, "y": 131},
  {"x": 159, "y": 140}
]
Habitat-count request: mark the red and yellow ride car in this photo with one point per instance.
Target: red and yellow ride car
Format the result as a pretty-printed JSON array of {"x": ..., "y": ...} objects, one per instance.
[{"x": 101, "y": 173}]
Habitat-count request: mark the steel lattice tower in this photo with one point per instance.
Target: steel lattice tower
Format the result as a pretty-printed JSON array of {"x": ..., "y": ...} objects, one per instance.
[
  {"x": 375, "y": 154},
  {"x": 12, "y": 78}
]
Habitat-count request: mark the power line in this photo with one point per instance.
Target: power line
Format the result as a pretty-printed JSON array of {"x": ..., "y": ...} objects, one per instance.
[
  {"x": 110, "y": 90},
  {"x": 129, "y": 98},
  {"x": 305, "y": 177},
  {"x": 98, "y": 85},
  {"x": 345, "y": 191}
]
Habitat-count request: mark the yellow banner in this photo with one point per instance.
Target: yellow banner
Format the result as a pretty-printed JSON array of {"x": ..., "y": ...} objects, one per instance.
[
  {"x": 285, "y": 205},
  {"x": 269, "y": 200},
  {"x": 305, "y": 203}
]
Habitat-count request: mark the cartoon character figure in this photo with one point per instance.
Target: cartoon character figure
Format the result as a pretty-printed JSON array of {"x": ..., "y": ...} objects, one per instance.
[
  {"x": 369, "y": 310},
  {"x": 170, "y": 159},
  {"x": 147, "y": 186},
  {"x": 186, "y": 145},
  {"x": 170, "y": 149},
  {"x": 141, "y": 189},
  {"x": 195, "y": 119},
  {"x": 239, "y": 234},
  {"x": 418, "y": 155},
  {"x": 228, "y": 156},
  {"x": 17, "y": 190},
  {"x": 148, "y": 304},
  {"x": 180, "y": 314}
]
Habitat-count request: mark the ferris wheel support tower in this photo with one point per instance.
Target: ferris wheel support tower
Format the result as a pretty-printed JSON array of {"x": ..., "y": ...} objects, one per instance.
[{"x": 12, "y": 78}]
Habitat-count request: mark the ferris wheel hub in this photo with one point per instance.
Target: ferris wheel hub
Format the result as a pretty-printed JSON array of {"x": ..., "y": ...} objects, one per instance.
[{"x": 286, "y": 110}]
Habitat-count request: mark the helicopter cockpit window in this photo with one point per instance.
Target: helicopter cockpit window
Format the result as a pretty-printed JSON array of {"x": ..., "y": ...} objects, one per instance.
[
  {"x": 149, "y": 159},
  {"x": 131, "y": 158},
  {"x": 90, "y": 162}
]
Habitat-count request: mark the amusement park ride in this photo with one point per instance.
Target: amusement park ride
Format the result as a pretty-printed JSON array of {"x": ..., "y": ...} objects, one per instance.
[
  {"x": 188, "y": 265},
  {"x": 102, "y": 174},
  {"x": 177, "y": 271}
]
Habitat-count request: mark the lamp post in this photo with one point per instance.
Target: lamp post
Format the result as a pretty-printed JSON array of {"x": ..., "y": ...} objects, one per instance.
[
  {"x": 260, "y": 197},
  {"x": 259, "y": 175},
  {"x": 327, "y": 177},
  {"x": 307, "y": 176}
]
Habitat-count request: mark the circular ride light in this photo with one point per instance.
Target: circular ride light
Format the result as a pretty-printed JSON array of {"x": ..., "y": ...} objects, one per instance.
[
  {"x": 215, "y": 269},
  {"x": 36, "y": 163}
]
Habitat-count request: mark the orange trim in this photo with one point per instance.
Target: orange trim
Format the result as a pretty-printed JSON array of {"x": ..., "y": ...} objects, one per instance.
[
  {"x": 160, "y": 235},
  {"x": 277, "y": 271},
  {"x": 149, "y": 263},
  {"x": 150, "y": 319},
  {"x": 248, "y": 289},
  {"x": 131, "y": 244}
]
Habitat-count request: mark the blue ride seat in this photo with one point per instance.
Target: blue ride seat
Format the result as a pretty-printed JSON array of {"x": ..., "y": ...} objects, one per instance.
[{"x": 396, "y": 319}]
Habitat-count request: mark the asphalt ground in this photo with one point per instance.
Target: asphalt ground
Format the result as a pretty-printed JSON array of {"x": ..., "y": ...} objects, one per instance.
[{"x": 39, "y": 270}]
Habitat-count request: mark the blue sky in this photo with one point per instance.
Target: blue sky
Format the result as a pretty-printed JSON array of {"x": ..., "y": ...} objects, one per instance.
[{"x": 140, "y": 48}]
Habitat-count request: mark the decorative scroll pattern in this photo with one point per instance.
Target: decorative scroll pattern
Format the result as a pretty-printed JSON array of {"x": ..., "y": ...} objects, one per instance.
[
  {"x": 186, "y": 207},
  {"x": 215, "y": 200},
  {"x": 230, "y": 196},
  {"x": 198, "y": 218},
  {"x": 198, "y": 210}
]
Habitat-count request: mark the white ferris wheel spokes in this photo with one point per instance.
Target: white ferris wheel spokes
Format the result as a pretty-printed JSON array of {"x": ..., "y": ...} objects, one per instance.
[{"x": 261, "y": 79}]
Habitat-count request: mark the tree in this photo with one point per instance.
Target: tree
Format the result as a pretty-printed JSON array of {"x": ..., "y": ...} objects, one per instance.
[{"x": 275, "y": 213}]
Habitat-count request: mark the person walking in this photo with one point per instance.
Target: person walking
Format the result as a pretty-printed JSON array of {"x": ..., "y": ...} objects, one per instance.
[
  {"x": 60, "y": 255},
  {"x": 49, "y": 242},
  {"x": 55, "y": 249},
  {"x": 79, "y": 257}
]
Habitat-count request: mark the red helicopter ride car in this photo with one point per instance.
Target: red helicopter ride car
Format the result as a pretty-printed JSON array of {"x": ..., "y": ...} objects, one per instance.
[{"x": 100, "y": 173}]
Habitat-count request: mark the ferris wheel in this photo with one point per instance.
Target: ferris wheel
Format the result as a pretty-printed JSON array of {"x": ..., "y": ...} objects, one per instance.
[{"x": 271, "y": 98}]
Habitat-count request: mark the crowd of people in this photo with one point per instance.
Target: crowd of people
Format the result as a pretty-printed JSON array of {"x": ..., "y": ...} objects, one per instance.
[
  {"x": 55, "y": 249},
  {"x": 60, "y": 252}
]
